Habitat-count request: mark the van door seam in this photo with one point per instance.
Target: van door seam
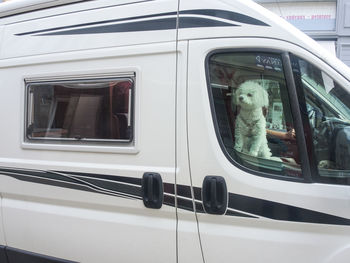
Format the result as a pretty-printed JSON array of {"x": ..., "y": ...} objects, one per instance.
[{"x": 189, "y": 159}]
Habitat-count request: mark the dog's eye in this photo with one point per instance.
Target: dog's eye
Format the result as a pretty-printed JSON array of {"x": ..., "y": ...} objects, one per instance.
[{"x": 249, "y": 95}]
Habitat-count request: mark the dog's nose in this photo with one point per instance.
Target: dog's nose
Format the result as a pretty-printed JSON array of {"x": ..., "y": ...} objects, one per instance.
[{"x": 240, "y": 98}]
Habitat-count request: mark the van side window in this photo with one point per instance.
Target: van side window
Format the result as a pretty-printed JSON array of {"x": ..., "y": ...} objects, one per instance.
[
  {"x": 252, "y": 112},
  {"x": 328, "y": 112},
  {"x": 81, "y": 110}
]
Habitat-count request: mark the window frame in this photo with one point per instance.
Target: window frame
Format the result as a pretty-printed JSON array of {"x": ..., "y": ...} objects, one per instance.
[
  {"x": 84, "y": 145},
  {"x": 294, "y": 104}
]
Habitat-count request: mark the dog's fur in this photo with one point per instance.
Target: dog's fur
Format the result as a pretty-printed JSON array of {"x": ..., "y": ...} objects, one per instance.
[{"x": 250, "y": 128}]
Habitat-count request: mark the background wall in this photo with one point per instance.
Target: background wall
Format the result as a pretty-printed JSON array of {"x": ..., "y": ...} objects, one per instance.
[
  {"x": 343, "y": 31},
  {"x": 326, "y": 21}
]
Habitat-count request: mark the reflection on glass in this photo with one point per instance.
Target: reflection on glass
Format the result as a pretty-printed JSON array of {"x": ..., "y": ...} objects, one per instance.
[
  {"x": 328, "y": 111},
  {"x": 79, "y": 110}
]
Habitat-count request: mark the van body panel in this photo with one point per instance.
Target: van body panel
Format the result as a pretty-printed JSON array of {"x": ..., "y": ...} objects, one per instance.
[
  {"x": 266, "y": 235},
  {"x": 93, "y": 29},
  {"x": 256, "y": 22},
  {"x": 27, "y": 6},
  {"x": 87, "y": 226},
  {"x": 23, "y": 11},
  {"x": 75, "y": 216},
  {"x": 112, "y": 64}
]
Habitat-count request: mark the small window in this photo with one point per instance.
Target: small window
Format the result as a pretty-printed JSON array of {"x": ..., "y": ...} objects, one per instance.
[
  {"x": 328, "y": 112},
  {"x": 252, "y": 112},
  {"x": 80, "y": 111}
]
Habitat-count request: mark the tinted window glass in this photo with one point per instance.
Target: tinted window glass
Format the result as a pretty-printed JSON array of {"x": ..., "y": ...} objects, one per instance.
[
  {"x": 252, "y": 112},
  {"x": 80, "y": 110},
  {"x": 328, "y": 112}
]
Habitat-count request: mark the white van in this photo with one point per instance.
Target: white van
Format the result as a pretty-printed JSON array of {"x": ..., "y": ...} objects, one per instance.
[{"x": 125, "y": 135}]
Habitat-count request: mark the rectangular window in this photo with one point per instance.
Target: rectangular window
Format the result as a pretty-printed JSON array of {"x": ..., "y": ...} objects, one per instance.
[{"x": 95, "y": 110}]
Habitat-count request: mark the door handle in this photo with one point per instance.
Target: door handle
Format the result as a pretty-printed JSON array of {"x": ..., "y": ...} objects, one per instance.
[
  {"x": 214, "y": 195},
  {"x": 152, "y": 190}
]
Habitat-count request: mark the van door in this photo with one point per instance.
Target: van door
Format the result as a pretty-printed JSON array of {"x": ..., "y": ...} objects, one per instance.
[{"x": 261, "y": 194}]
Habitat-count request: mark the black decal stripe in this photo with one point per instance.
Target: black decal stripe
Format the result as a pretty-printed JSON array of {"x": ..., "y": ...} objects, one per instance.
[
  {"x": 283, "y": 212},
  {"x": 169, "y": 188},
  {"x": 114, "y": 186},
  {"x": 230, "y": 212},
  {"x": 96, "y": 23},
  {"x": 109, "y": 186},
  {"x": 148, "y": 25},
  {"x": 228, "y": 15},
  {"x": 73, "y": 177},
  {"x": 47, "y": 181},
  {"x": 197, "y": 193},
  {"x": 126, "y": 187},
  {"x": 273, "y": 210},
  {"x": 184, "y": 199},
  {"x": 121, "y": 179},
  {"x": 163, "y": 21},
  {"x": 45, "y": 174},
  {"x": 67, "y": 181},
  {"x": 66, "y": 184},
  {"x": 184, "y": 191},
  {"x": 185, "y": 204},
  {"x": 196, "y": 22},
  {"x": 169, "y": 200},
  {"x": 199, "y": 207},
  {"x": 22, "y": 256}
]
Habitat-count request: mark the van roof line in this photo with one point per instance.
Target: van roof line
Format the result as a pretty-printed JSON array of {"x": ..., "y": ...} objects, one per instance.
[{"x": 22, "y": 6}]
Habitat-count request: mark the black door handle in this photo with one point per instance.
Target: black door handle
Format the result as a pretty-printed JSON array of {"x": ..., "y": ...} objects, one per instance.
[
  {"x": 214, "y": 195},
  {"x": 152, "y": 190}
]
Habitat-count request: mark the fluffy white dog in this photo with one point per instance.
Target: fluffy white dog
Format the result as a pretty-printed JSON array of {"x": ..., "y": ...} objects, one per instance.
[{"x": 250, "y": 129}]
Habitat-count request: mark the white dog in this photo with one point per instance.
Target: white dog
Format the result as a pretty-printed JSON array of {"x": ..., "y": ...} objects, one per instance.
[{"x": 250, "y": 129}]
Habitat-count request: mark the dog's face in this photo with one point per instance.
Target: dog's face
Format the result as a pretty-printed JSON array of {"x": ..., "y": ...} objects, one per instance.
[{"x": 250, "y": 95}]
